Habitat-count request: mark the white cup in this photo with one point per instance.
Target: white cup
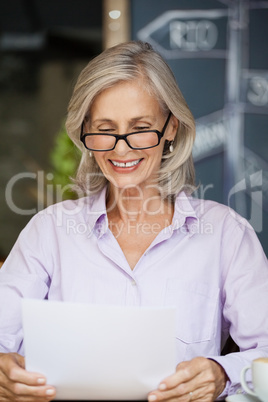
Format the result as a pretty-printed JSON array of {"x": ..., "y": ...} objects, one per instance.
[{"x": 259, "y": 368}]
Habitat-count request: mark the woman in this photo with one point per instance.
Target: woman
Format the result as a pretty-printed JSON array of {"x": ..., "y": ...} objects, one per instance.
[{"x": 138, "y": 237}]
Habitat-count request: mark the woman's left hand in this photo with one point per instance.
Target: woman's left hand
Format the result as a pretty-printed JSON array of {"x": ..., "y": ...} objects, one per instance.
[{"x": 199, "y": 379}]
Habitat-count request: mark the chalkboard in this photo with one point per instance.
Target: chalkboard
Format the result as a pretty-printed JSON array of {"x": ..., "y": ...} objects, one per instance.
[{"x": 217, "y": 50}]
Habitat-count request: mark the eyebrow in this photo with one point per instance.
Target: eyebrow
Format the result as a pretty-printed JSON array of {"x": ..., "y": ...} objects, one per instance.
[{"x": 133, "y": 120}]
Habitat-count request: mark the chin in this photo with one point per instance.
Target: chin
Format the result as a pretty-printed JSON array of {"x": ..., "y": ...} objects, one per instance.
[{"x": 126, "y": 183}]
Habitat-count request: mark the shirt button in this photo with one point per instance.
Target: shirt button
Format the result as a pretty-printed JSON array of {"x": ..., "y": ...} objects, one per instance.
[
  {"x": 133, "y": 282},
  {"x": 239, "y": 391}
]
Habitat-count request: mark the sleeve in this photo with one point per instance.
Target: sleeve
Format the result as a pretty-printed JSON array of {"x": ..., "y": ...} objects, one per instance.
[
  {"x": 244, "y": 299},
  {"x": 23, "y": 275}
]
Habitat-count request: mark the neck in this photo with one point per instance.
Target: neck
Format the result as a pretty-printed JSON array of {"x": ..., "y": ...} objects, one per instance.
[{"x": 136, "y": 203}]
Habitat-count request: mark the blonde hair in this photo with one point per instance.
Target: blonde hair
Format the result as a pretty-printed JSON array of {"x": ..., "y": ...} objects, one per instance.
[{"x": 127, "y": 62}]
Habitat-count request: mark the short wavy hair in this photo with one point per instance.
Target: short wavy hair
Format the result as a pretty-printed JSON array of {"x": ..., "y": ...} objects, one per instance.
[{"x": 130, "y": 61}]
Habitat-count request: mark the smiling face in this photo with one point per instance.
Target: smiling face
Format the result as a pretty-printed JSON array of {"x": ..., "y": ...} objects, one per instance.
[{"x": 124, "y": 108}]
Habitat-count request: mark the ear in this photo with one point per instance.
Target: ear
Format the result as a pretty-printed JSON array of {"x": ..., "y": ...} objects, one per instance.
[{"x": 172, "y": 128}]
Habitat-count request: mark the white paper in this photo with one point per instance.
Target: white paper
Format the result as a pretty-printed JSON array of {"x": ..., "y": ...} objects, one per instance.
[{"x": 99, "y": 352}]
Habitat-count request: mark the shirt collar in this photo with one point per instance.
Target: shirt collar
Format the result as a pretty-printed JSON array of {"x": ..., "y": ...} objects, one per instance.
[
  {"x": 184, "y": 214},
  {"x": 97, "y": 214}
]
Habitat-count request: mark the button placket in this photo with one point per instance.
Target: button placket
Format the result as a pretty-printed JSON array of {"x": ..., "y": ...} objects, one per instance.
[{"x": 132, "y": 292}]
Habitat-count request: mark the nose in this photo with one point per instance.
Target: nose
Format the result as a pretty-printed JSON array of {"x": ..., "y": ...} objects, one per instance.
[{"x": 121, "y": 147}]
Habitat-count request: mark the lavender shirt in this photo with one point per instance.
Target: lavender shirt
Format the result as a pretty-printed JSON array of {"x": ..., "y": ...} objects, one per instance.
[{"x": 208, "y": 263}]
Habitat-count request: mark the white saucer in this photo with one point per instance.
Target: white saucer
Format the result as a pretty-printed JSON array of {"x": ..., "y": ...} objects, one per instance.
[{"x": 241, "y": 398}]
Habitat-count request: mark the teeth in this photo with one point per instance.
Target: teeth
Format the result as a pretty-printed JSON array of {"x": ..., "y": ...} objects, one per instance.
[{"x": 128, "y": 164}]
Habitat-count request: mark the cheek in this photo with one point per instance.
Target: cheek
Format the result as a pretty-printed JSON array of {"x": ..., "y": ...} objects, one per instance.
[
  {"x": 99, "y": 158},
  {"x": 156, "y": 154}
]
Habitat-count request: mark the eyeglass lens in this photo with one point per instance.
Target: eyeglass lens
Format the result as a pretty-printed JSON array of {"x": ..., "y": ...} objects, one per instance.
[{"x": 137, "y": 140}]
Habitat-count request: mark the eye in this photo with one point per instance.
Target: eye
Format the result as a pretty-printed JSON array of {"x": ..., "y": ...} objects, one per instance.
[
  {"x": 106, "y": 130},
  {"x": 140, "y": 128}
]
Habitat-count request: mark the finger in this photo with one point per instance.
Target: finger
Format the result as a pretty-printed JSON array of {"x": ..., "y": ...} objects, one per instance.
[
  {"x": 177, "y": 380},
  {"x": 12, "y": 366},
  {"x": 189, "y": 376},
  {"x": 15, "y": 390},
  {"x": 185, "y": 372},
  {"x": 180, "y": 392},
  {"x": 18, "y": 384},
  {"x": 7, "y": 395},
  {"x": 26, "y": 393},
  {"x": 204, "y": 393},
  {"x": 46, "y": 391}
]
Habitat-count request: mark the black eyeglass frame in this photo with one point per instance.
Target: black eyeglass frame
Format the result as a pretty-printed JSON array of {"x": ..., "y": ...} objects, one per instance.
[{"x": 118, "y": 137}]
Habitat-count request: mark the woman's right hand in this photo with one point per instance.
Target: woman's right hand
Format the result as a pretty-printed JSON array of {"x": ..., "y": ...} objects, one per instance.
[{"x": 19, "y": 385}]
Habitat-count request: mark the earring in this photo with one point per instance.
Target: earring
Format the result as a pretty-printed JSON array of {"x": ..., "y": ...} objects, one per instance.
[
  {"x": 90, "y": 154},
  {"x": 171, "y": 148}
]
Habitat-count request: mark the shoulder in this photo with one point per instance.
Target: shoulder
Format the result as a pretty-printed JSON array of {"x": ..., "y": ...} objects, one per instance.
[
  {"x": 235, "y": 236},
  {"x": 59, "y": 214},
  {"x": 221, "y": 218},
  {"x": 68, "y": 207}
]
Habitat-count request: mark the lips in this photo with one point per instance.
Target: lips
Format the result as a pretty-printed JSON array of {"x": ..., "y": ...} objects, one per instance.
[{"x": 128, "y": 164}]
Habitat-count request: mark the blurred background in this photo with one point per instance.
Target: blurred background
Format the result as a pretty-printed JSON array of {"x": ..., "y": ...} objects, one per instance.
[{"x": 218, "y": 52}]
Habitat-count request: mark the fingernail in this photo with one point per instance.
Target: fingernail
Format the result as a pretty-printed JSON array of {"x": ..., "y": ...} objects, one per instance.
[
  {"x": 41, "y": 380},
  {"x": 50, "y": 391},
  {"x": 152, "y": 398},
  {"x": 162, "y": 387}
]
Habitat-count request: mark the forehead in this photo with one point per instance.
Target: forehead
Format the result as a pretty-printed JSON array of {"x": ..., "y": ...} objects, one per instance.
[{"x": 125, "y": 95}]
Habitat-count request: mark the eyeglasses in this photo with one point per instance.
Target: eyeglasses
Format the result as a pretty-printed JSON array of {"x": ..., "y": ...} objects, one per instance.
[{"x": 137, "y": 140}]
